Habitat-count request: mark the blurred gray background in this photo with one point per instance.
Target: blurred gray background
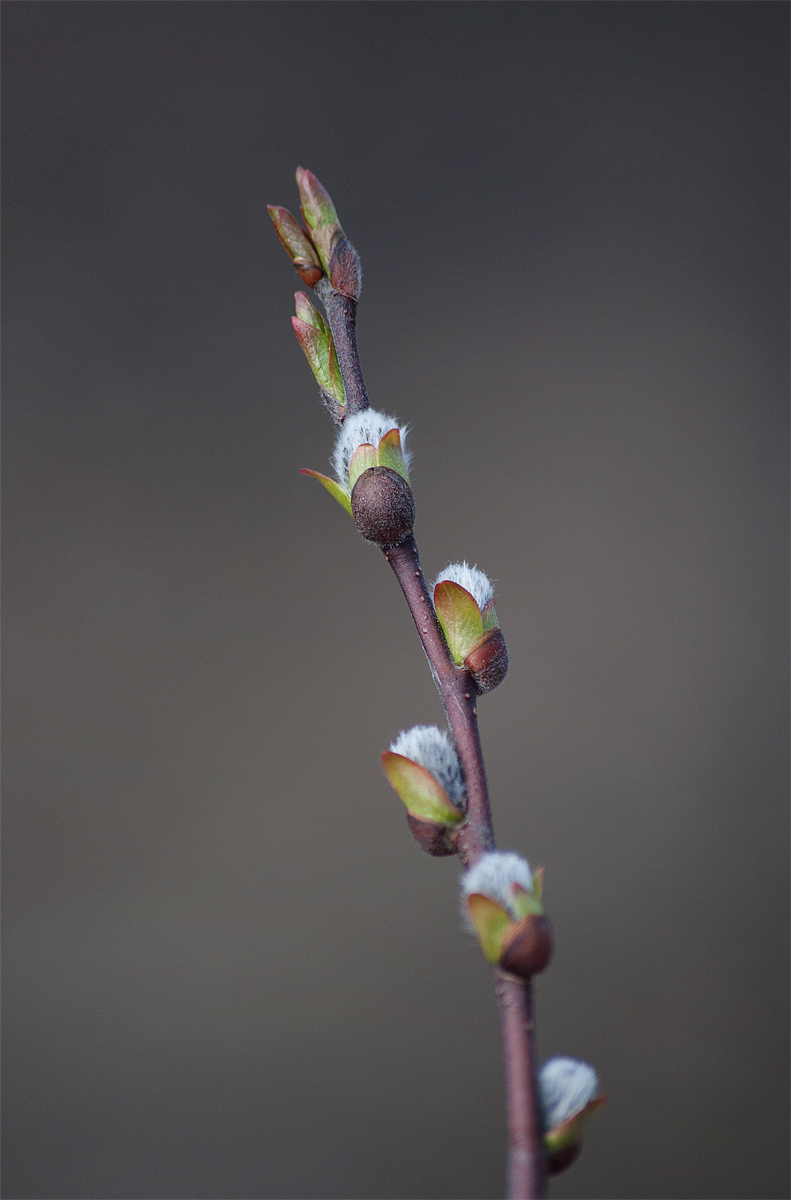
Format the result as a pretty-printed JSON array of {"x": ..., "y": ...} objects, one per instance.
[{"x": 228, "y": 970}]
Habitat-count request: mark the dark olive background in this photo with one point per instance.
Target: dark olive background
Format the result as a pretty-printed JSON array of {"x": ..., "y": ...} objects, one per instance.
[{"x": 228, "y": 970}]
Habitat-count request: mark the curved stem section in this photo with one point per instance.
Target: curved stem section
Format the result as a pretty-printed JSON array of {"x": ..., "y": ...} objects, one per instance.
[
  {"x": 458, "y": 693},
  {"x": 526, "y": 1163}
]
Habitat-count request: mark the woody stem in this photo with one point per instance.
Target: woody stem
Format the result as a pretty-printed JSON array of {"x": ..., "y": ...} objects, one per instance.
[
  {"x": 342, "y": 319},
  {"x": 527, "y": 1169}
]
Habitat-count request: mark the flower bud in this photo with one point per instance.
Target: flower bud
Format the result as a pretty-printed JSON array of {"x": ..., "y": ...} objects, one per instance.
[
  {"x": 567, "y": 1090},
  {"x": 423, "y": 768},
  {"x": 368, "y": 439},
  {"x": 504, "y": 908},
  {"x": 464, "y": 603},
  {"x": 383, "y": 507}
]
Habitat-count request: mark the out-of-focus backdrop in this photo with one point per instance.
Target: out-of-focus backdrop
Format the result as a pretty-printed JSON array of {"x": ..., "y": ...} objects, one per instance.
[{"x": 229, "y": 972}]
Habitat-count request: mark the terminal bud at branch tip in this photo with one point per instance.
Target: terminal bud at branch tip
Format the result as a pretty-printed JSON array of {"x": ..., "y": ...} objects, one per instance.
[
  {"x": 336, "y": 254},
  {"x": 317, "y": 207}
]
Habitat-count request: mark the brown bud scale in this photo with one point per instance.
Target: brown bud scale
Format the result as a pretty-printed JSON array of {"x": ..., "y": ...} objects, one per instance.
[
  {"x": 437, "y": 840},
  {"x": 308, "y": 272},
  {"x": 487, "y": 662},
  {"x": 527, "y": 947},
  {"x": 559, "y": 1160},
  {"x": 383, "y": 506},
  {"x": 345, "y": 274}
]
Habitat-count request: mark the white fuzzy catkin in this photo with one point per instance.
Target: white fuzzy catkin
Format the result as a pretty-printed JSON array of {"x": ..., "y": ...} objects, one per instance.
[
  {"x": 493, "y": 875},
  {"x": 565, "y": 1086},
  {"x": 359, "y": 428},
  {"x": 432, "y": 748},
  {"x": 474, "y": 581}
]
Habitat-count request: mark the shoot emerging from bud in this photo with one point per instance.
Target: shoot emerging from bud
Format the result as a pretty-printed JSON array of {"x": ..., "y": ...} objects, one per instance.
[
  {"x": 503, "y": 908},
  {"x": 432, "y": 749},
  {"x": 569, "y": 1096},
  {"x": 464, "y": 603},
  {"x": 370, "y": 459}
]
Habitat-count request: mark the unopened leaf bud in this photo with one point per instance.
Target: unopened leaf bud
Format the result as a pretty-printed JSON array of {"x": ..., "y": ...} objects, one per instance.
[
  {"x": 298, "y": 245},
  {"x": 383, "y": 507},
  {"x": 568, "y": 1093},
  {"x": 320, "y": 217},
  {"x": 313, "y": 335}
]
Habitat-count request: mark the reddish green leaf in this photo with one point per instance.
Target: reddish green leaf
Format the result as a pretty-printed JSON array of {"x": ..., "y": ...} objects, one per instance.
[
  {"x": 389, "y": 454},
  {"x": 571, "y": 1131},
  {"x": 489, "y": 616},
  {"x": 363, "y": 458},
  {"x": 423, "y": 796},
  {"x": 491, "y": 924},
  {"x": 459, "y": 617},
  {"x": 332, "y": 487}
]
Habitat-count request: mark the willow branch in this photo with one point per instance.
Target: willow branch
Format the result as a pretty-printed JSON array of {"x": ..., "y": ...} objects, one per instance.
[{"x": 526, "y": 1165}]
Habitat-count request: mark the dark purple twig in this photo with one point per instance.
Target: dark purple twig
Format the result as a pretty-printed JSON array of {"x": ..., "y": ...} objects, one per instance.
[
  {"x": 526, "y": 1165},
  {"x": 341, "y": 313}
]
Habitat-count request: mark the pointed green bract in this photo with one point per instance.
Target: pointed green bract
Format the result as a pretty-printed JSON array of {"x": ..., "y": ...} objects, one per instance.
[
  {"x": 459, "y": 617},
  {"x": 489, "y": 617},
  {"x": 308, "y": 313},
  {"x": 571, "y": 1131},
  {"x": 423, "y": 796},
  {"x": 334, "y": 489},
  {"x": 526, "y": 903},
  {"x": 337, "y": 387},
  {"x": 315, "y": 343},
  {"x": 491, "y": 924},
  {"x": 315, "y": 339},
  {"x": 363, "y": 458},
  {"x": 389, "y": 454},
  {"x": 538, "y": 883}
]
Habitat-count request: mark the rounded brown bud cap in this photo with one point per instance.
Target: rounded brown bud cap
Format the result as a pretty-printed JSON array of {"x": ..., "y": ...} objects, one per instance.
[
  {"x": 559, "y": 1160},
  {"x": 527, "y": 947},
  {"x": 383, "y": 506},
  {"x": 436, "y": 839},
  {"x": 308, "y": 272},
  {"x": 487, "y": 662}
]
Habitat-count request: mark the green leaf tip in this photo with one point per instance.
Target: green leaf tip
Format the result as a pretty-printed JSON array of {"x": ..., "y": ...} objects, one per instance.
[{"x": 334, "y": 489}]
